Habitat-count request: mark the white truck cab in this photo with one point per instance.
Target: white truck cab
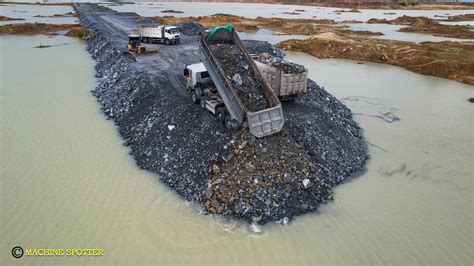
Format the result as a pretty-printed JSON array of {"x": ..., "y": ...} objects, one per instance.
[
  {"x": 196, "y": 74},
  {"x": 202, "y": 90},
  {"x": 160, "y": 34}
]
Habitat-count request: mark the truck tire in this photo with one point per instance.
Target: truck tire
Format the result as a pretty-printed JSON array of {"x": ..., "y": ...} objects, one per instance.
[
  {"x": 194, "y": 97},
  {"x": 234, "y": 124},
  {"x": 203, "y": 103},
  {"x": 167, "y": 41},
  {"x": 227, "y": 121},
  {"x": 220, "y": 113}
]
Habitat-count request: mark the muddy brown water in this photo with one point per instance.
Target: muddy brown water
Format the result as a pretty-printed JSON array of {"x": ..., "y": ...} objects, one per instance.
[{"x": 67, "y": 182}]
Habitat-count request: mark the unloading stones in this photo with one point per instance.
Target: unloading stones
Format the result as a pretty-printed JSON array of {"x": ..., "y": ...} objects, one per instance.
[{"x": 227, "y": 170}]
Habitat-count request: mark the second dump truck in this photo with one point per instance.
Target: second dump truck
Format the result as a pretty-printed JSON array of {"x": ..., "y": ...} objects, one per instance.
[
  {"x": 287, "y": 79},
  {"x": 226, "y": 95},
  {"x": 160, "y": 34}
]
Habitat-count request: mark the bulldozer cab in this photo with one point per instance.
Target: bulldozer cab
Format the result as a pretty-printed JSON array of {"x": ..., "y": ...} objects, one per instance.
[
  {"x": 133, "y": 41},
  {"x": 134, "y": 44}
]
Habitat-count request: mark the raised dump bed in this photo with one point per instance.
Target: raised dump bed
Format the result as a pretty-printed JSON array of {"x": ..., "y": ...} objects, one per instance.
[{"x": 246, "y": 95}]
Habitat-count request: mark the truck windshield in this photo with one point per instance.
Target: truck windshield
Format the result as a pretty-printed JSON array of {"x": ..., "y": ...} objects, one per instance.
[
  {"x": 204, "y": 74},
  {"x": 173, "y": 31}
]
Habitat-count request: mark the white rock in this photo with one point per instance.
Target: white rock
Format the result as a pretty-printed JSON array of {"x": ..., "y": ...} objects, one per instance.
[
  {"x": 170, "y": 127},
  {"x": 237, "y": 79},
  {"x": 306, "y": 182}
]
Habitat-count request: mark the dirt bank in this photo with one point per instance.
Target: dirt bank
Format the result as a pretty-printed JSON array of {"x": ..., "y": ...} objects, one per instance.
[
  {"x": 281, "y": 26},
  {"x": 451, "y": 31},
  {"x": 65, "y": 15},
  {"x": 77, "y": 32},
  {"x": 172, "y": 11},
  {"x": 241, "y": 23},
  {"x": 354, "y": 10},
  {"x": 36, "y": 4},
  {"x": 351, "y": 21},
  {"x": 426, "y": 25},
  {"x": 42, "y": 46},
  {"x": 451, "y": 60},
  {"x": 188, "y": 147},
  {"x": 3, "y": 18},
  {"x": 465, "y": 17},
  {"x": 34, "y": 28}
]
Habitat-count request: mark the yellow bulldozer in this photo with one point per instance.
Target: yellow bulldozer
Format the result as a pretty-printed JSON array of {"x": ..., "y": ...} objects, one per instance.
[{"x": 135, "y": 45}]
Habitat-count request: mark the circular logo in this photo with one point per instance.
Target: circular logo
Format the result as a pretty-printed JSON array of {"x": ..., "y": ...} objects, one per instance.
[{"x": 17, "y": 252}]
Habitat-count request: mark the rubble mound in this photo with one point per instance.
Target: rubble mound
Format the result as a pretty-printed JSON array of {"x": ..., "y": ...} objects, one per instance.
[
  {"x": 190, "y": 28},
  {"x": 259, "y": 47},
  {"x": 77, "y": 32},
  {"x": 233, "y": 63},
  {"x": 286, "y": 66},
  {"x": 265, "y": 179}
]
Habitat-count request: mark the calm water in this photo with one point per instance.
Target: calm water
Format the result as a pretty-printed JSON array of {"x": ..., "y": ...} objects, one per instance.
[
  {"x": 267, "y": 35},
  {"x": 268, "y": 10},
  {"x": 67, "y": 181},
  {"x": 27, "y": 12}
]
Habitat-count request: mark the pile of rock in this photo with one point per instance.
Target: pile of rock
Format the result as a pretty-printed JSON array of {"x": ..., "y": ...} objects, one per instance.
[
  {"x": 258, "y": 47},
  {"x": 232, "y": 62},
  {"x": 190, "y": 28},
  {"x": 266, "y": 179},
  {"x": 286, "y": 66}
]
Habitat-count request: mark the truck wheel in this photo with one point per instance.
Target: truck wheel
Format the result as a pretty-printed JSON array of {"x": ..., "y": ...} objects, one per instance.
[
  {"x": 234, "y": 124},
  {"x": 194, "y": 97},
  {"x": 167, "y": 41},
  {"x": 227, "y": 122},
  {"x": 220, "y": 113},
  {"x": 203, "y": 103}
]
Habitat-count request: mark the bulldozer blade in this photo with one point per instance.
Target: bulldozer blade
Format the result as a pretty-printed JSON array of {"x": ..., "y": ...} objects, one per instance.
[{"x": 129, "y": 56}]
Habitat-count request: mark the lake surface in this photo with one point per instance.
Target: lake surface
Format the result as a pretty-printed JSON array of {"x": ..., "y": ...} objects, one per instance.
[
  {"x": 149, "y": 9},
  {"x": 28, "y": 13},
  {"x": 270, "y": 10},
  {"x": 68, "y": 182}
]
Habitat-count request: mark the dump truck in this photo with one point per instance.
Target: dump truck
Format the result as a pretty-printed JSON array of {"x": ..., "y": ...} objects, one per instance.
[
  {"x": 160, "y": 34},
  {"x": 203, "y": 91},
  {"x": 226, "y": 95},
  {"x": 287, "y": 79}
]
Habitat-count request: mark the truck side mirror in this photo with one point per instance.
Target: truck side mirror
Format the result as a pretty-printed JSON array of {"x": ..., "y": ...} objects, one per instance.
[{"x": 186, "y": 72}]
